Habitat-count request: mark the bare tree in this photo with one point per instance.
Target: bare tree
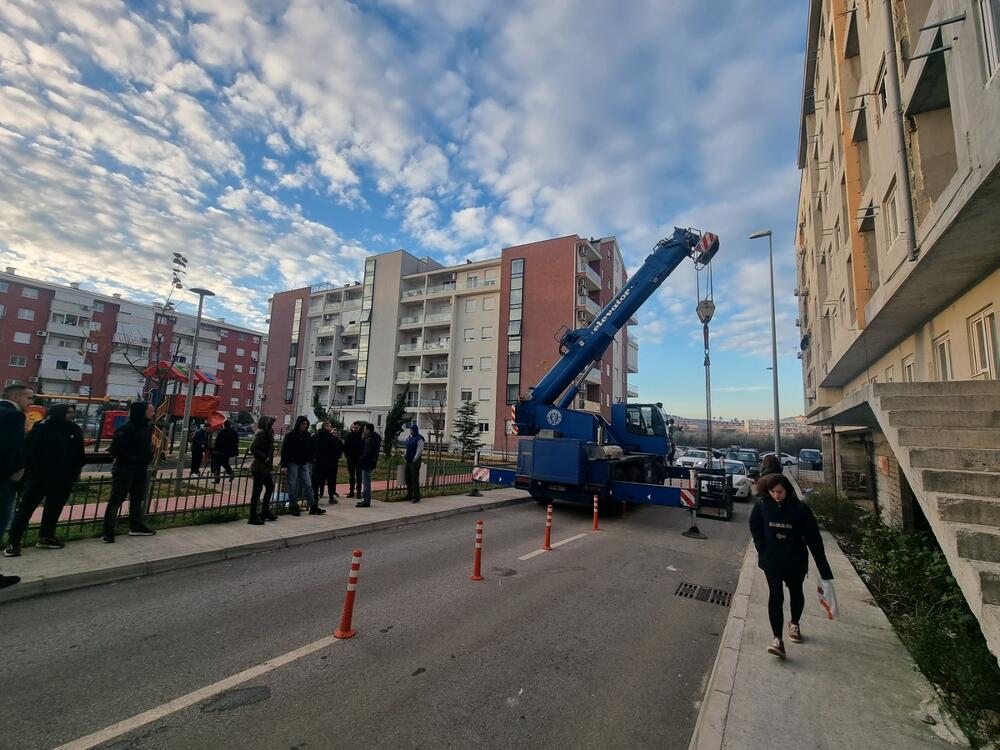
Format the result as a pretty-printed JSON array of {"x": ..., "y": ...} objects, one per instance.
[{"x": 438, "y": 417}]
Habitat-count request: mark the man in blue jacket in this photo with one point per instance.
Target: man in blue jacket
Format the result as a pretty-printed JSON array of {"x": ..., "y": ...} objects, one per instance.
[{"x": 414, "y": 454}]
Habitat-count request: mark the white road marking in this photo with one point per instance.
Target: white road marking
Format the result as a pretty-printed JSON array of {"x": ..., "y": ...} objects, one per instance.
[
  {"x": 185, "y": 701},
  {"x": 560, "y": 543}
]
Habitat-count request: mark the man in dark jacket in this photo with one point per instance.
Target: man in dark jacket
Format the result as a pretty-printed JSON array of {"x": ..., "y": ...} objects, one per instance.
[
  {"x": 53, "y": 461},
  {"x": 352, "y": 452},
  {"x": 413, "y": 456},
  {"x": 132, "y": 449},
  {"x": 371, "y": 442},
  {"x": 199, "y": 442},
  {"x": 13, "y": 401},
  {"x": 296, "y": 453},
  {"x": 227, "y": 447},
  {"x": 327, "y": 449},
  {"x": 262, "y": 450},
  {"x": 784, "y": 531}
]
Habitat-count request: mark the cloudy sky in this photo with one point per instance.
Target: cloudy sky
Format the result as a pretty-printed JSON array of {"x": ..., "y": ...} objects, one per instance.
[{"x": 277, "y": 142}]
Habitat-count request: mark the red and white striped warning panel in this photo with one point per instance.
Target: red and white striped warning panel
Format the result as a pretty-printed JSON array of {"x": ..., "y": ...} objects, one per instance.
[
  {"x": 513, "y": 420},
  {"x": 688, "y": 498},
  {"x": 705, "y": 243},
  {"x": 686, "y": 484},
  {"x": 480, "y": 474}
]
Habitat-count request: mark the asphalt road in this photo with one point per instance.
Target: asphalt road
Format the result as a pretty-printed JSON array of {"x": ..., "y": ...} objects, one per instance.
[{"x": 585, "y": 646}]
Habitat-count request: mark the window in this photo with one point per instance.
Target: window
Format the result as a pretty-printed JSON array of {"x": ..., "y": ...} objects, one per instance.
[
  {"x": 4, "y": 287},
  {"x": 234, "y": 401},
  {"x": 224, "y": 334},
  {"x": 881, "y": 98},
  {"x": 471, "y": 305},
  {"x": 181, "y": 358},
  {"x": 243, "y": 337},
  {"x": 29, "y": 292},
  {"x": 513, "y": 361},
  {"x": 517, "y": 267},
  {"x": 253, "y": 370},
  {"x": 471, "y": 280},
  {"x": 487, "y": 333},
  {"x": 516, "y": 296},
  {"x": 253, "y": 356},
  {"x": 514, "y": 328},
  {"x": 890, "y": 374},
  {"x": 486, "y": 363},
  {"x": 17, "y": 361},
  {"x": 891, "y": 219},
  {"x": 95, "y": 325},
  {"x": 467, "y": 364},
  {"x": 23, "y": 313},
  {"x": 251, "y": 386},
  {"x": 222, "y": 365},
  {"x": 62, "y": 364},
  {"x": 470, "y": 334},
  {"x": 983, "y": 344},
  {"x": 249, "y": 402},
  {"x": 223, "y": 349},
  {"x": 237, "y": 385},
  {"x": 484, "y": 426},
  {"x": 942, "y": 358},
  {"x": 989, "y": 13},
  {"x": 489, "y": 303},
  {"x": 513, "y": 392},
  {"x": 466, "y": 395},
  {"x": 3, "y": 310},
  {"x": 22, "y": 338},
  {"x": 240, "y": 352},
  {"x": 90, "y": 346},
  {"x": 237, "y": 368},
  {"x": 98, "y": 306},
  {"x": 484, "y": 394},
  {"x": 256, "y": 339}
]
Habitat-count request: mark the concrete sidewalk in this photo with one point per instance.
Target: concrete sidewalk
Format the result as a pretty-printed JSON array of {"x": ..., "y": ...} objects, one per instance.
[
  {"x": 90, "y": 562},
  {"x": 851, "y": 684}
]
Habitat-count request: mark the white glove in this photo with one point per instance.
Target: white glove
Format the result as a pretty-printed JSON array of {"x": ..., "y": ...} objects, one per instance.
[{"x": 828, "y": 598}]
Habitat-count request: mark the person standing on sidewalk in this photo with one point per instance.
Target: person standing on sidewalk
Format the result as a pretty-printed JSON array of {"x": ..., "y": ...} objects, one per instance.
[
  {"x": 261, "y": 468},
  {"x": 199, "y": 442},
  {"x": 132, "y": 449},
  {"x": 296, "y": 453},
  {"x": 784, "y": 531},
  {"x": 413, "y": 456},
  {"x": 227, "y": 447},
  {"x": 53, "y": 460},
  {"x": 13, "y": 401},
  {"x": 327, "y": 448},
  {"x": 371, "y": 442},
  {"x": 352, "y": 452}
]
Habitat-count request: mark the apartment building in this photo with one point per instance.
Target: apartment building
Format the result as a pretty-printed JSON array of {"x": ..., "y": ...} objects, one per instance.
[
  {"x": 898, "y": 244},
  {"x": 65, "y": 339},
  {"x": 443, "y": 336}
]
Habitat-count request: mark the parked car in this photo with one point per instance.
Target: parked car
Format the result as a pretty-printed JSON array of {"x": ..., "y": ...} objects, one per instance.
[
  {"x": 694, "y": 458},
  {"x": 748, "y": 457},
  {"x": 244, "y": 430},
  {"x": 810, "y": 458},
  {"x": 742, "y": 482},
  {"x": 786, "y": 459}
]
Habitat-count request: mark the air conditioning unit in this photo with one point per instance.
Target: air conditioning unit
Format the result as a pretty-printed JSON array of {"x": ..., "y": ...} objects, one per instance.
[
  {"x": 798, "y": 322},
  {"x": 811, "y": 394},
  {"x": 798, "y": 355},
  {"x": 796, "y": 292},
  {"x": 41, "y": 334},
  {"x": 33, "y": 379},
  {"x": 38, "y": 356}
]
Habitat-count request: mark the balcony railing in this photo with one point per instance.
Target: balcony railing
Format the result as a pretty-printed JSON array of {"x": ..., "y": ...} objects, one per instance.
[
  {"x": 422, "y": 403},
  {"x": 583, "y": 404},
  {"x": 438, "y": 317},
  {"x": 411, "y": 319},
  {"x": 410, "y": 348},
  {"x": 348, "y": 354},
  {"x": 411, "y": 293},
  {"x": 407, "y": 377},
  {"x": 588, "y": 304},
  {"x": 434, "y": 346},
  {"x": 435, "y": 374},
  {"x": 633, "y": 341},
  {"x": 442, "y": 288},
  {"x": 589, "y": 274}
]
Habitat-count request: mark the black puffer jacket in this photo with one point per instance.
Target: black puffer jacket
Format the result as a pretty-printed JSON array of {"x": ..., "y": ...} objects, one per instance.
[
  {"x": 227, "y": 444},
  {"x": 132, "y": 444},
  {"x": 262, "y": 447},
  {"x": 327, "y": 448},
  {"x": 352, "y": 445},
  {"x": 297, "y": 445},
  {"x": 784, "y": 533},
  {"x": 369, "y": 451},
  {"x": 11, "y": 439},
  {"x": 54, "y": 449}
]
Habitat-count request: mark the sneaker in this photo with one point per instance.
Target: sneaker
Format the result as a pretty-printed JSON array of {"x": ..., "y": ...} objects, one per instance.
[
  {"x": 141, "y": 531},
  {"x": 6, "y": 581},
  {"x": 363, "y": 504},
  {"x": 270, "y": 517},
  {"x": 315, "y": 510},
  {"x": 794, "y": 633},
  {"x": 195, "y": 475},
  {"x": 12, "y": 550},
  {"x": 336, "y": 494},
  {"x": 256, "y": 522},
  {"x": 415, "y": 500},
  {"x": 49, "y": 542},
  {"x": 108, "y": 538},
  {"x": 350, "y": 494},
  {"x": 332, "y": 501},
  {"x": 777, "y": 648},
  {"x": 293, "y": 510}
]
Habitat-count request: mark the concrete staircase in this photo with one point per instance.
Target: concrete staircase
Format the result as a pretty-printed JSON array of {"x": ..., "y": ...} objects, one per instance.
[{"x": 946, "y": 437}]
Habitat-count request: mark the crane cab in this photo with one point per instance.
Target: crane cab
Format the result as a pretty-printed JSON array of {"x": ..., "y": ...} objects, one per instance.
[{"x": 641, "y": 428}]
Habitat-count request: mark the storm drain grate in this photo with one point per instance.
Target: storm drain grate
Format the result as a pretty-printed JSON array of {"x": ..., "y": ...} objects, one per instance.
[{"x": 704, "y": 594}]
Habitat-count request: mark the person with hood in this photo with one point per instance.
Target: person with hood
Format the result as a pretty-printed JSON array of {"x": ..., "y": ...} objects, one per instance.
[
  {"x": 262, "y": 450},
  {"x": 227, "y": 447},
  {"x": 414, "y": 452},
  {"x": 371, "y": 442},
  {"x": 352, "y": 452},
  {"x": 132, "y": 449},
  {"x": 296, "y": 453},
  {"x": 14, "y": 399},
  {"x": 327, "y": 449},
  {"x": 199, "y": 443},
  {"x": 784, "y": 531},
  {"x": 53, "y": 461}
]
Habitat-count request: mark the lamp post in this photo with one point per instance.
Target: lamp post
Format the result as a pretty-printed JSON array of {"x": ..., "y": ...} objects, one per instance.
[
  {"x": 705, "y": 310},
  {"x": 202, "y": 293},
  {"x": 774, "y": 343}
]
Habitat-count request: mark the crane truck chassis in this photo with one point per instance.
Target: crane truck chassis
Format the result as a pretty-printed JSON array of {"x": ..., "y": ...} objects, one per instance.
[{"x": 570, "y": 455}]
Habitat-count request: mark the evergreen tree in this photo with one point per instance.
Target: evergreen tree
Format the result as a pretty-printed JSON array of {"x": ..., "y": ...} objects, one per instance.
[
  {"x": 244, "y": 417},
  {"x": 395, "y": 421},
  {"x": 321, "y": 413},
  {"x": 467, "y": 429}
]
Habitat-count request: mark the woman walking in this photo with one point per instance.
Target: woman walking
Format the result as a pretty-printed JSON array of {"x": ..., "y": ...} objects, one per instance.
[
  {"x": 783, "y": 529},
  {"x": 262, "y": 450}
]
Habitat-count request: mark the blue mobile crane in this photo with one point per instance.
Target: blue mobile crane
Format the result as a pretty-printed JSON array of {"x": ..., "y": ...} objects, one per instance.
[{"x": 571, "y": 455}]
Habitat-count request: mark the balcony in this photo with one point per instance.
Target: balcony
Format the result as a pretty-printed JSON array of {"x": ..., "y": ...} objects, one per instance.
[
  {"x": 60, "y": 376},
  {"x": 347, "y": 354},
  {"x": 588, "y": 275},
  {"x": 412, "y": 293},
  {"x": 409, "y": 350},
  {"x": 324, "y": 353},
  {"x": 62, "y": 329},
  {"x": 593, "y": 377},
  {"x": 588, "y": 304},
  {"x": 436, "y": 375},
  {"x": 447, "y": 288},
  {"x": 408, "y": 376},
  {"x": 441, "y": 318},
  {"x": 632, "y": 391},
  {"x": 352, "y": 303},
  {"x": 633, "y": 341},
  {"x": 583, "y": 404},
  {"x": 411, "y": 321},
  {"x": 345, "y": 381},
  {"x": 331, "y": 330},
  {"x": 421, "y": 403},
  {"x": 587, "y": 252},
  {"x": 437, "y": 346},
  {"x": 351, "y": 330}
]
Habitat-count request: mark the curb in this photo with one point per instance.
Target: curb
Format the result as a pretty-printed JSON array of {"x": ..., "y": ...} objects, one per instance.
[
  {"x": 33, "y": 587},
  {"x": 710, "y": 727}
]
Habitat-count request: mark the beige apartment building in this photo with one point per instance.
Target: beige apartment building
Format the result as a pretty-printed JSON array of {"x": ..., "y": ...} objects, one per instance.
[{"x": 898, "y": 260}]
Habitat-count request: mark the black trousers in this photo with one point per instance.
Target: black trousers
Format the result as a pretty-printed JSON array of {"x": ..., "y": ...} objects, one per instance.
[
  {"x": 776, "y": 599},
  {"x": 131, "y": 481},
  {"x": 412, "y": 474},
  {"x": 55, "y": 494},
  {"x": 261, "y": 482},
  {"x": 354, "y": 475},
  {"x": 221, "y": 462},
  {"x": 325, "y": 475},
  {"x": 196, "y": 456}
]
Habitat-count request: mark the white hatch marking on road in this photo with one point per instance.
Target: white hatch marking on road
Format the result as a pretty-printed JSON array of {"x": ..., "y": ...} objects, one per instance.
[
  {"x": 560, "y": 543},
  {"x": 185, "y": 701}
]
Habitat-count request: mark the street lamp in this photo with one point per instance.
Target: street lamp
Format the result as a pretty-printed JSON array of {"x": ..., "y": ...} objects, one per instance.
[
  {"x": 202, "y": 293},
  {"x": 774, "y": 343}
]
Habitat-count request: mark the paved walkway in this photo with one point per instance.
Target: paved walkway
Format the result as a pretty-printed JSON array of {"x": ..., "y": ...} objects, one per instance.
[
  {"x": 89, "y": 562},
  {"x": 851, "y": 684}
]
